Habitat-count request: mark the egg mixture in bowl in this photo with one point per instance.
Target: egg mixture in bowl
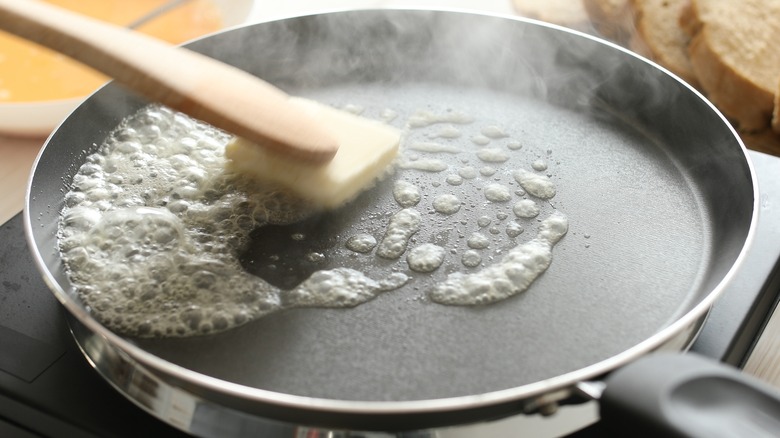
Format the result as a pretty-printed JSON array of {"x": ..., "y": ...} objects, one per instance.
[{"x": 38, "y": 87}]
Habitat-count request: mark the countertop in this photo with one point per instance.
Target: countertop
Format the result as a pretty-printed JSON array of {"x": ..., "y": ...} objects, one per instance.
[{"x": 18, "y": 155}]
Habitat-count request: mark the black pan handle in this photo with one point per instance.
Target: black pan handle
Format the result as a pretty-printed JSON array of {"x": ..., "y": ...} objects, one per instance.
[{"x": 687, "y": 395}]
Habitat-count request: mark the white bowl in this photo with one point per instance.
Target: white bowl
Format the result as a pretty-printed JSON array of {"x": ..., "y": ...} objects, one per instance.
[{"x": 38, "y": 119}]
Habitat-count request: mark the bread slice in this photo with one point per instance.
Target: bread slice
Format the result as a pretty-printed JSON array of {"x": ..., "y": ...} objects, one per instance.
[
  {"x": 688, "y": 21},
  {"x": 613, "y": 19},
  {"x": 776, "y": 112},
  {"x": 735, "y": 56},
  {"x": 660, "y": 37},
  {"x": 568, "y": 13}
]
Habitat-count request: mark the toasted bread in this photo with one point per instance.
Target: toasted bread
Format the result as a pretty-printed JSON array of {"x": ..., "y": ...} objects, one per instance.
[
  {"x": 776, "y": 111},
  {"x": 662, "y": 39},
  {"x": 688, "y": 21},
  {"x": 734, "y": 55},
  {"x": 566, "y": 13},
  {"x": 613, "y": 19}
]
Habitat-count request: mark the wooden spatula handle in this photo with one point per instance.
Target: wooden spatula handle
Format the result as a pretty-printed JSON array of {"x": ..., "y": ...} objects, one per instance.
[{"x": 204, "y": 88}]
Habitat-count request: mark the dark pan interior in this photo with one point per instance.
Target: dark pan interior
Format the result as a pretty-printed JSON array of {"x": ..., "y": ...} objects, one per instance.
[{"x": 656, "y": 187}]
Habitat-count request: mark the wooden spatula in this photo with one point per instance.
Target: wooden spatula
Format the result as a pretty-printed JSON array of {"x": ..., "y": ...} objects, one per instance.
[
  {"x": 301, "y": 139},
  {"x": 199, "y": 86}
]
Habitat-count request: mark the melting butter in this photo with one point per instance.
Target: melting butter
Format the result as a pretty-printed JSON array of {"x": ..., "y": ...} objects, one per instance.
[
  {"x": 426, "y": 118},
  {"x": 526, "y": 208},
  {"x": 427, "y": 146},
  {"x": 425, "y": 258},
  {"x": 535, "y": 184},
  {"x": 402, "y": 226},
  {"x": 446, "y": 204},
  {"x": 494, "y": 132},
  {"x": 492, "y": 155},
  {"x": 424, "y": 164},
  {"x": 497, "y": 193},
  {"x": 512, "y": 275},
  {"x": 152, "y": 229},
  {"x": 132, "y": 233},
  {"x": 406, "y": 194}
]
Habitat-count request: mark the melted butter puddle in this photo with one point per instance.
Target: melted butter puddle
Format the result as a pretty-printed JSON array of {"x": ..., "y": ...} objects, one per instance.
[
  {"x": 536, "y": 185},
  {"x": 340, "y": 287},
  {"x": 146, "y": 278},
  {"x": 406, "y": 194},
  {"x": 426, "y": 165},
  {"x": 422, "y": 119},
  {"x": 403, "y": 225},
  {"x": 427, "y": 146},
  {"x": 153, "y": 227},
  {"x": 512, "y": 275}
]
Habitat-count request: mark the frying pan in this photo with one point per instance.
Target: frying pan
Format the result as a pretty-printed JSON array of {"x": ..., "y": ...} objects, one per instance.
[{"x": 659, "y": 192}]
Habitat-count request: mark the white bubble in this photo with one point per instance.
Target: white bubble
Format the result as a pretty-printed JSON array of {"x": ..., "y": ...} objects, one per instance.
[
  {"x": 497, "y": 193},
  {"x": 448, "y": 132},
  {"x": 492, "y": 155},
  {"x": 471, "y": 258},
  {"x": 514, "y": 145},
  {"x": 406, "y": 194},
  {"x": 512, "y": 275},
  {"x": 422, "y": 119},
  {"x": 432, "y": 165},
  {"x": 513, "y": 229},
  {"x": 454, "y": 180},
  {"x": 526, "y": 208},
  {"x": 361, "y": 243},
  {"x": 478, "y": 241},
  {"x": 446, "y": 204},
  {"x": 400, "y": 229},
  {"x": 539, "y": 165},
  {"x": 467, "y": 172},
  {"x": 480, "y": 140},
  {"x": 426, "y": 146},
  {"x": 340, "y": 287},
  {"x": 487, "y": 171},
  {"x": 536, "y": 185},
  {"x": 483, "y": 221},
  {"x": 425, "y": 258},
  {"x": 494, "y": 131}
]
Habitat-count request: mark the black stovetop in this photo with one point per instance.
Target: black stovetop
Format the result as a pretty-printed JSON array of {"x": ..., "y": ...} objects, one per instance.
[{"x": 48, "y": 389}]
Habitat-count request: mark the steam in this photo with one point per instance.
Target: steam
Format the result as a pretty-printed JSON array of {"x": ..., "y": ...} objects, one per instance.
[
  {"x": 393, "y": 45},
  {"x": 462, "y": 49}
]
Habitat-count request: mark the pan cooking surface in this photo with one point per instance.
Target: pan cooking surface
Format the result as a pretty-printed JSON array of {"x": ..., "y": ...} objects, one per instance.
[
  {"x": 635, "y": 225},
  {"x": 656, "y": 189}
]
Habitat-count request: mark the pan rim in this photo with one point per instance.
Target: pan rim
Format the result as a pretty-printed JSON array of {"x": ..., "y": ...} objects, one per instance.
[{"x": 440, "y": 405}]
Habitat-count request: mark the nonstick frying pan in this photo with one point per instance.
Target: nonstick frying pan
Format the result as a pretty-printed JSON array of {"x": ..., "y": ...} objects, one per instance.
[{"x": 659, "y": 192}]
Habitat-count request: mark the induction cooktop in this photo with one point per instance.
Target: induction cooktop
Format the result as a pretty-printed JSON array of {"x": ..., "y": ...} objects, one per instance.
[{"x": 48, "y": 388}]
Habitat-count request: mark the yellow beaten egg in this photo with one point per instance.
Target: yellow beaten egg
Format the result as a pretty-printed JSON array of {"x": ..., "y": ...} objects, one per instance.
[{"x": 29, "y": 72}]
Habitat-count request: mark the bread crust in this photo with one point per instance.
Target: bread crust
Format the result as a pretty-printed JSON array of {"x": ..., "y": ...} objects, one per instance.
[
  {"x": 689, "y": 21},
  {"x": 776, "y": 111},
  {"x": 766, "y": 141}
]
